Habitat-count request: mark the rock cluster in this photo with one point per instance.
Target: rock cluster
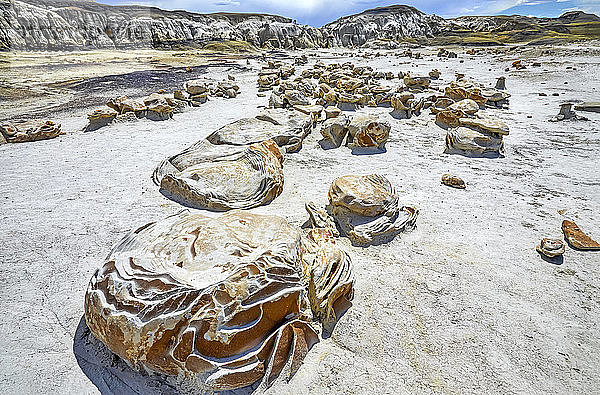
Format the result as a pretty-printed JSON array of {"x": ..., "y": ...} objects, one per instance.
[
  {"x": 360, "y": 131},
  {"x": 21, "y": 131},
  {"x": 444, "y": 53},
  {"x": 160, "y": 106},
  {"x": 273, "y": 73},
  {"x": 226, "y": 301},
  {"x": 348, "y": 87},
  {"x": 468, "y": 132}
]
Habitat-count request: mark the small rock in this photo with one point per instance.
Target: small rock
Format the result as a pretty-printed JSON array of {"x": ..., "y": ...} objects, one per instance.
[
  {"x": 551, "y": 247},
  {"x": 452, "y": 181}
]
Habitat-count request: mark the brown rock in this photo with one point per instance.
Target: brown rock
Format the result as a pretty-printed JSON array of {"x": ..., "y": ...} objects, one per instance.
[
  {"x": 221, "y": 300},
  {"x": 452, "y": 181},
  {"x": 26, "y": 131},
  {"x": 368, "y": 131},
  {"x": 576, "y": 238}
]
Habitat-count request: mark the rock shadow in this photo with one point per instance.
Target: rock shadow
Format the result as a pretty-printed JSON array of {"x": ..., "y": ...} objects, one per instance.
[
  {"x": 112, "y": 375},
  {"x": 327, "y": 145},
  {"x": 341, "y": 306},
  {"x": 399, "y": 114},
  {"x": 557, "y": 260},
  {"x": 367, "y": 150}
]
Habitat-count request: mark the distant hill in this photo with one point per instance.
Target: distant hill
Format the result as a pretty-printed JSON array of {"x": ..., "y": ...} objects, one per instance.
[{"x": 81, "y": 24}]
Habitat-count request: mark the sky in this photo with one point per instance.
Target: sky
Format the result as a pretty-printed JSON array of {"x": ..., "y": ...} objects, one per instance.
[{"x": 319, "y": 12}]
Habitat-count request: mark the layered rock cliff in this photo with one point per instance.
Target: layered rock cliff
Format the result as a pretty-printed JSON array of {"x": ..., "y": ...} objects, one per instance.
[
  {"x": 80, "y": 24},
  {"x": 75, "y": 24},
  {"x": 389, "y": 23}
]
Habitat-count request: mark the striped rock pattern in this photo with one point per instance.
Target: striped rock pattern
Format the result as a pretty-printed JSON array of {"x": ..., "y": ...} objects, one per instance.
[
  {"x": 223, "y": 177},
  {"x": 367, "y": 209},
  {"x": 223, "y": 301}
]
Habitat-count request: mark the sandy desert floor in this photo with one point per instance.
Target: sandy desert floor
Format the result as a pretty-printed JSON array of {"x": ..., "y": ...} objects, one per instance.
[{"x": 462, "y": 304}]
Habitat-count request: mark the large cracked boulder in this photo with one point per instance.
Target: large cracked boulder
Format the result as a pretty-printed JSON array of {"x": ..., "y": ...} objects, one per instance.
[
  {"x": 224, "y": 302},
  {"x": 22, "y": 131},
  {"x": 367, "y": 209},
  {"x": 223, "y": 177}
]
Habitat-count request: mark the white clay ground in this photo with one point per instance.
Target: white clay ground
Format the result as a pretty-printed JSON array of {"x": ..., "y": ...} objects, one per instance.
[{"x": 462, "y": 304}]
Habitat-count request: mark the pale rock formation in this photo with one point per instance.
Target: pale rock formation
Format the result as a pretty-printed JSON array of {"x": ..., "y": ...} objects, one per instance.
[
  {"x": 367, "y": 209},
  {"x": 124, "y": 104},
  {"x": 332, "y": 112},
  {"x": 392, "y": 23},
  {"x": 467, "y": 106},
  {"x": 81, "y": 24},
  {"x": 566, "y": 113},
  {"x": 485, "y": 125},
  {"x": 334, "y": 130},
  {"x": 551, "y": 248},
  {"x": 250, "y": 178},
  {"x": 470, "y": 142},
  {"x": 158, "y": 107},
  {"x": 223, "y": 301},
  {"x": 287, "y": 128}
]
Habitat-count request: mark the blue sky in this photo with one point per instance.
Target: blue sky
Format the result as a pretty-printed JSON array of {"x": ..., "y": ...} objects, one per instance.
[{"x": 319, "y": 12}]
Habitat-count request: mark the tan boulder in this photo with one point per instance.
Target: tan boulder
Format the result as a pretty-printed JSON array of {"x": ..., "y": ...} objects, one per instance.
[
  {"x": 368, "y": 131},
  {"x": 334, "y": 130},
  {"x": 449, "y": 118},
  {"x": 332, "y": 112},
  {"x": 22, "y": 131},
  {"x": 196, "y": 87},
  {"x": 485, "y": 124},
  {"x": 100, "y": 117},
  {"x": 367, "y": 210},
  {"x": 468, "y": 106},
  {"x": 287, "y": 128},
  {"x": 252, "y": 178}
]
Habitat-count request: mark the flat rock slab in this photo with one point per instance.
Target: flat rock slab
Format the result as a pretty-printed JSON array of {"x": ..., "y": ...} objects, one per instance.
[
  {"x": 287, "y": 128},
  {"x": 588, "y": 106},
  {"x": 240, "y": 179},
  {"x": 577, "y": 239}
]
